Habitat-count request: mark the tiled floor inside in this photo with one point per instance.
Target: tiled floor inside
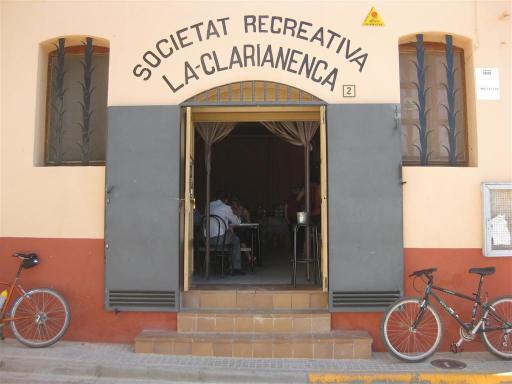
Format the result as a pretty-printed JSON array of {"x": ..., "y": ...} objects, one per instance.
[{"x": 274, "y": 270}]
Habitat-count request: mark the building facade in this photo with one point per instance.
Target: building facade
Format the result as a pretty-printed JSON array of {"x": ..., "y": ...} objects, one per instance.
[{"x": 412, "y": 117}]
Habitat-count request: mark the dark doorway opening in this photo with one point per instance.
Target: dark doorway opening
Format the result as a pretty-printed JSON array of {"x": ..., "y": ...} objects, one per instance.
[{"x": 262, "y": 171}]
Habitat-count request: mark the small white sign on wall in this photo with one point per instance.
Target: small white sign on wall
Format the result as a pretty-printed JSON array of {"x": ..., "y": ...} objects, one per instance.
[{"x": 487, "y": 83}]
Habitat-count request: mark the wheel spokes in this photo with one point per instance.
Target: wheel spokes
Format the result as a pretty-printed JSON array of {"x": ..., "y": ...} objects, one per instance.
[{"x": 401, "y": 335}]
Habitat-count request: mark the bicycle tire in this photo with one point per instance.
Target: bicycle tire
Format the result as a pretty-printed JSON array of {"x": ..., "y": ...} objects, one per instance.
[
  {"x": 405, "y": 344},
  {"x": 40, "y": 317},
  {"x": 493, "y": 340}
]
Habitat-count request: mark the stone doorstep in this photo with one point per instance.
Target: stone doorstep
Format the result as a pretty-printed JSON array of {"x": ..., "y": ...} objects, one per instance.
[
  {"x": 272, "y": 300},
  {"x": 208, "y": 321},
  {"x": 330, "y": 345}
]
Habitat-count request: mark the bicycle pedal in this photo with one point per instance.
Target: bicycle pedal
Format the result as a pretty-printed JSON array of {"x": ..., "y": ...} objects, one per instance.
[{"x": 455, "y": 348}]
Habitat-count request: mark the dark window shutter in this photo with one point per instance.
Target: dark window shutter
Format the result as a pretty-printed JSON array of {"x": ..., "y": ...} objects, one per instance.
[
  {"x": 142, "y": 211},
  {"x": 365, "y": 206}
]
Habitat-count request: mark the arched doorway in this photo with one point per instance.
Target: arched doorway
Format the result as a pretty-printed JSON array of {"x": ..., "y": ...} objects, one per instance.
[{"x": 249, "y": 106}]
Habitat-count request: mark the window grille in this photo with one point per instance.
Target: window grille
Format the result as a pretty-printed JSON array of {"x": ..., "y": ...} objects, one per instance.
[
  {"x": 253, "y": 92},
  {"x": 433, "y": 104},
  {"x": 76, "y": 111},
  {"x": 497, "y": 204}
]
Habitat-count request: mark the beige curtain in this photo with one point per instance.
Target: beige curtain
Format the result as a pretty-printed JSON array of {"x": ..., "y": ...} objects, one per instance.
[
  {"x": 294, "y": 132},
  {"x": 211, "y": 133},
  {"x": 298, "y": 133},
  {"x": 214, "y": 132}
]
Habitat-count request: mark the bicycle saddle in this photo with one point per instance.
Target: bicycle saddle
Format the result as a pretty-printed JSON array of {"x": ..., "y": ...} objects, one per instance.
[
  {"x": 483, "y": 271},
  {"x": 423, "y": 271},
  {"x": 24, "y": 256}
]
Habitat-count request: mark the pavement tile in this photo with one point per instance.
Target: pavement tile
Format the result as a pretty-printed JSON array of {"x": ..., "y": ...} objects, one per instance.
[{"x": 122, "y": 357}]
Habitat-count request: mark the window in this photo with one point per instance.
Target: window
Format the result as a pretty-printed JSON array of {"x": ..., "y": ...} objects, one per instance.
[
  {"x": 433, "y": 102},
  {"x": 76, "y": 112},
  {"x": 497, "y": 204}
]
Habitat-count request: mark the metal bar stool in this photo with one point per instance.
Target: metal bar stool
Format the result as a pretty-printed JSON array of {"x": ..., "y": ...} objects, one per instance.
[{"x": 314, "y": 254}]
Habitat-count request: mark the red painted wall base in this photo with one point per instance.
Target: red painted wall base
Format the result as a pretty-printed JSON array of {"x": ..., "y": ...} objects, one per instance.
[
  {"x": 75, "y": 267},
  {"x": 452, "y": 273}
]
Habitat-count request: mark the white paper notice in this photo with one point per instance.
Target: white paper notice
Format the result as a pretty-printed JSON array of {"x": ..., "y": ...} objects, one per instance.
[{"x": 487, "y": 83}]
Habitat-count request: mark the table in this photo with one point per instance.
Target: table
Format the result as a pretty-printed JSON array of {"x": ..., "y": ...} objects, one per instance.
[{"x": 255, "y": 240}]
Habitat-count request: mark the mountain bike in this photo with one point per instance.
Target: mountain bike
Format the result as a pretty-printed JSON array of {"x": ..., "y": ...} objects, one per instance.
[
  {"x": 39, "y": 317},
  {"x": 412, "y": 329}
]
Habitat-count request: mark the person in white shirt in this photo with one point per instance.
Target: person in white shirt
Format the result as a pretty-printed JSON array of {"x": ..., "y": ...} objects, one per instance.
[{"x": 220, "y": 208}]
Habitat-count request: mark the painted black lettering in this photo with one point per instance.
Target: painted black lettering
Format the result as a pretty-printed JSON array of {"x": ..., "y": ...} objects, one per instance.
[
  {"x": 342, "y": 43},
  {"x": 262, "y": 23},
  {"x": 176, "y": 47},
  {"x": 165, "y": 54},
  {"x": 268, "y": 57},
  {"x": 302, "y": 30},
  {"x": 290, "y": 24},
  {"x": 198, "y": 31},
  {"x": 249, "y": 21},
  {"x": 181, "y": 38},
  {"x": 152, "y": 59},
  {"x": 190, "y": 73},
  {"x": 314, "y": 77},
  {"x": 281, "y": 58},
  {"x": 273, "y": 23},
  {"x": 249, "y": 54},
  {"x": 307, "y": 65},
  {"x": 173, "y": 88},
  {"x": 333, "y": 35},
  {"x": 208, "y": 70},
  {"x": 319, "y": 35},
  {"x": 361, "y": 59},
  {"x": 211, "y": 30},
  {"x": 217, "y": 65},
  {"x": 331, "y": 78},
  {"x": 235, "y": 58},
  {"x": 349, "y": 54},
  {"x": 139, "y": 70},
  {"x": 224, "y": 26},
  {"x": 293, "y": 61}
]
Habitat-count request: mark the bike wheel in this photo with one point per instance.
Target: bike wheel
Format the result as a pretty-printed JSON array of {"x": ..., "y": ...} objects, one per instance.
[
  {"x": 499, "y": 342},
  {"x": 40, "y": 317},
  {"x": 401, "y": 340}
]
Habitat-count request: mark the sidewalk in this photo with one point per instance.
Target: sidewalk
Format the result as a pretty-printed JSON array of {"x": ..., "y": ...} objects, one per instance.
[{"x": 94, "y": 363}]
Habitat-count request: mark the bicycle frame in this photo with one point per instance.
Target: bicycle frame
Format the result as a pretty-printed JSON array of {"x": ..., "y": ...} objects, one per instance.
[
  {"x": 471, "y": 327},
  {"x": 11, "y": 287}
]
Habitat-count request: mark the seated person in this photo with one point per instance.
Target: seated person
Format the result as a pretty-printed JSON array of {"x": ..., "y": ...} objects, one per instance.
[
  {"x": 245, "y": 217},
  {"x": 220, "y": 208},
  {"x": 239, "y": 210}
]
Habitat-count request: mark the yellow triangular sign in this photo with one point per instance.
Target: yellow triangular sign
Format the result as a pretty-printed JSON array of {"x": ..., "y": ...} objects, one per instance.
[{"x": 373, "y": 19}]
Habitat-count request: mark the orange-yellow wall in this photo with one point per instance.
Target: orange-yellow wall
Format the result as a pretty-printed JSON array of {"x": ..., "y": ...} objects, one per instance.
[{"x": 442, "y": 206}]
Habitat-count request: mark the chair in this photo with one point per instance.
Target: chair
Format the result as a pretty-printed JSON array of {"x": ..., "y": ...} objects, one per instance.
[
  {"x": 315, "y": 257},
  {"x": 220, "y": 252}
]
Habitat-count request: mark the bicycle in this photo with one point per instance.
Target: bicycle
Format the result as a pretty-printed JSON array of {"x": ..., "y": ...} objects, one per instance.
[
  {"x": 39, "y": 317},
  {"x": 412, "y": 329}
]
